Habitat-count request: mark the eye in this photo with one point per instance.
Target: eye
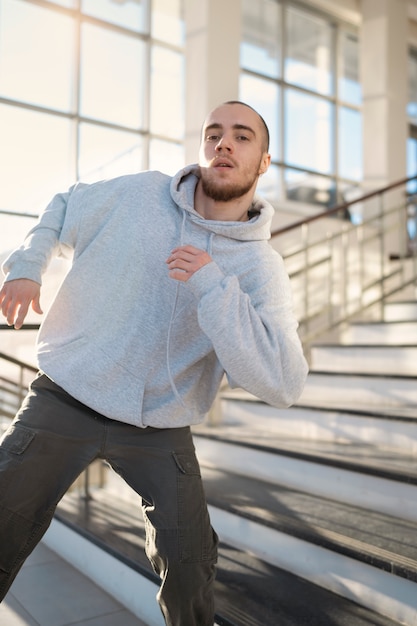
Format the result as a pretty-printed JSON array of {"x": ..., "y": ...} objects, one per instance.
[
  {"x": 242, "y": 138},
  {"x": 212, "y": 137}
]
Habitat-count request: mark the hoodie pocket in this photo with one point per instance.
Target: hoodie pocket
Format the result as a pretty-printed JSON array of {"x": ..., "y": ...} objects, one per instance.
[{"x": 97, "y": 378}]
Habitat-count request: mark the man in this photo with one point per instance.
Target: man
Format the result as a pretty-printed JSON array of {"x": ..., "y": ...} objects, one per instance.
[{"x": 172, "y": 285}]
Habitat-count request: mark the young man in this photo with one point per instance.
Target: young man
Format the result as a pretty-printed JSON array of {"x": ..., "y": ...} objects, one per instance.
[{"x": 172, "y": 284}]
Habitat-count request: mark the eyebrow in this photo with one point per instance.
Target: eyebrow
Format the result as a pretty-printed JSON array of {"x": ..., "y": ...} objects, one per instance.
[{"x": 235, "y": 127}]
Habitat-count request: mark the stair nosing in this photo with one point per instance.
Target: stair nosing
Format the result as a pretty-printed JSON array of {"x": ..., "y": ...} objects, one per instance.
[
  {"x": 387, "y": 474},
  {"x": 386, "y": 560},
  {"x": 327, "y": 409}
]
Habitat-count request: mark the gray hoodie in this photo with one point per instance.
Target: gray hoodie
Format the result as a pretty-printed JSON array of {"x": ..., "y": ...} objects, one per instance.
[{"x": 137, "y": 346}]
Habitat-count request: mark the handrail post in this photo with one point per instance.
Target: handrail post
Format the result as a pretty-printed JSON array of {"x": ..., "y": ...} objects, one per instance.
[
  {"x": 382, "y": 247},
  {"x": 304, "y": 239},
  {"x": 356, "y": 261},
  {"x": 21, "y": 392},
  {"x": 331, "y": 281},
  {"x": 361, "y": 263}
]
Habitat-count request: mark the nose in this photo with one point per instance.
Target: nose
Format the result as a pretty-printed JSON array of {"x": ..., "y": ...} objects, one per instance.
[{"x": 223, "y": 144}]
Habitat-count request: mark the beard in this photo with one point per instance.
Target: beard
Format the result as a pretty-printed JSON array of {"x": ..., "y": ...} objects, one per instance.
[{"x": 224, "y": 192}]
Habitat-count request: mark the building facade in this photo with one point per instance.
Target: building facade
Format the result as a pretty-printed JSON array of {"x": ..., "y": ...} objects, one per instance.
[{"x": 91, "y": 89}]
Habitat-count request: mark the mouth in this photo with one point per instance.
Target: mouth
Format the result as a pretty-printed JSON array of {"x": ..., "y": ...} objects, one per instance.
[{"x": 220, "y": 162}]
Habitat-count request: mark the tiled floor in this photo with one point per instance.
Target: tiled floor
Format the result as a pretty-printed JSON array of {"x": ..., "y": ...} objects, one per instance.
[{"x": 50, "y": 592}]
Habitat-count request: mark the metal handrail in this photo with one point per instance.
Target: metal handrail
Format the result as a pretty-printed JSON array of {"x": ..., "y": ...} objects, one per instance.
[
  {"x": 345, "y": 206},
  {"x": 21, "y": 364},
  {"x": 13, "y": 389},
  {"x": 14, "y": 381},
  {"x": 341, "y": 268},
  {"x": 18, "y": 214}
]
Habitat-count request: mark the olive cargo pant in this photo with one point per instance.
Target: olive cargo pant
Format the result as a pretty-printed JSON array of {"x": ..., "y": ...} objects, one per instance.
[{"x": 54, "y": 438}]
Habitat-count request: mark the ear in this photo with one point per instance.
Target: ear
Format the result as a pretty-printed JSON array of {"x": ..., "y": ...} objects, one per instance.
[{"x": 265, "y": 163}]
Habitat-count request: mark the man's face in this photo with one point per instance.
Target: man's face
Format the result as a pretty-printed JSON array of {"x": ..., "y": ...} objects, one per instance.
[{"x": 232, "y": 152}]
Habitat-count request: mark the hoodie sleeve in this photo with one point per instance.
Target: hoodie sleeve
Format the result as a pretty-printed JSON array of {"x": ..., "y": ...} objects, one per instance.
[
  {"x": 254, "y": 335},
  {"x": 42, "y": 243}
]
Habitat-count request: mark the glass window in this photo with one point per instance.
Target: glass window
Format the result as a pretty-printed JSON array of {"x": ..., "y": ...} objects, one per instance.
[
  {"x": 167, "y": 93},
  {"x": 112, "y": 76},
  {"x": 35, "y": 158},
  {"x": 412, "y": 164},
  {"x": 132, "y": 14},
  {"x": 36, "y": 55},
  {"x": 13, "y": 230},
  {"x": 260, "y": 49},
  {"x": 349, "y": 80},
  {"x": 106, "y": 153},
  {"x": 309, "y": 188},
  {"x": 412, "y": 87},
  {"x": 167, "y": 21},
  {"x": 309, "y": 51},
  {"x": 98, "y": 128},
  {"x": 308, "y": 132},
  {"x": 166, "y": 157},
  {"x": 302, "y": 107},
  {"x": 350, "y": 144},
  {"x": 269, "y": 184},
  {"x": 263, "y": 96}
]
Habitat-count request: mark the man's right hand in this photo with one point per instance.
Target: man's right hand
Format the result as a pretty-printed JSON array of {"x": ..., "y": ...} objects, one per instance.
[{"x": 15, "y": 298}]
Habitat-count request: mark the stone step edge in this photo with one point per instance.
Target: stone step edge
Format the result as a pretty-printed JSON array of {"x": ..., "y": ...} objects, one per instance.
[
  {"x": 380, "y": 558},
  {"x": 359, "y": 582},
  {"x": 377, "y": 412},
  {"x": 405, "y": 377},
  {"x": 328, "y": 460}
]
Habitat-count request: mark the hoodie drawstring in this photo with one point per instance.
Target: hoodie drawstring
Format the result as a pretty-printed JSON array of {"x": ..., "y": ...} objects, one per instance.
[
  {"x": 174, "y": 308},
  {"x": 210, "y": 244}
]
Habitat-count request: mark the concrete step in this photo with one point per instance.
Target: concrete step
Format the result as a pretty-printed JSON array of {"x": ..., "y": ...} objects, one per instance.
[
  {"x": 365, "y": 359},
  {"x": 400, "y": 311},
  {"x": 306, "y": 424},
  {"x": 377, "y": 495},
  {"x": 329, "y": 543},
  {"x": 257, "y": 584},
  {"x": 360, "y": 475},
  {"x": 361, "y": 392},
  {"x": 403, "y": 333}
]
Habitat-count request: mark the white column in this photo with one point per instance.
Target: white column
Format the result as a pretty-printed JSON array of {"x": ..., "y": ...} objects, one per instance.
[
  {"x": 213, "y": 33},
  {"x": 384, "y": 53},
  {"x": 385, "y": 83}
]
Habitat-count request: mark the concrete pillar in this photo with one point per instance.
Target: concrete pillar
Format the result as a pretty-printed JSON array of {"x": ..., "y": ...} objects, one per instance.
[
  {"x": 213, "y": 34},
  {"x": 384, "y": 53},
  {"x": 384, "y": 79}
]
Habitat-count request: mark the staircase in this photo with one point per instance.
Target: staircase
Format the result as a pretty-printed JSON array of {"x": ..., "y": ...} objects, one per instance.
[
  {"x": 327, "y": 490},
  {"x": 315, "y": 505}
]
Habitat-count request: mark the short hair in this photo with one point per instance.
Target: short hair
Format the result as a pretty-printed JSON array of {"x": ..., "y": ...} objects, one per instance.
[{"x": 264, "y": 124}]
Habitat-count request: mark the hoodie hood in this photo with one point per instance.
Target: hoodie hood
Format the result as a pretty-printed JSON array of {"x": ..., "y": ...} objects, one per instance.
[{"x": 258, "y": 228}]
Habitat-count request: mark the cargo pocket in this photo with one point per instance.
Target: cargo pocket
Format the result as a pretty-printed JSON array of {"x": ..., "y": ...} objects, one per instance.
[
  {"x": 197, "y": 541},
  {"x": 14, "y": 443},
  {"x": 16, "y": 439},
  {"x": 19, "y": 532}
]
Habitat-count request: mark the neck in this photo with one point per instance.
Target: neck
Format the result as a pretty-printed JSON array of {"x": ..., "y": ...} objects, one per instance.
[{"x": 233, "y": 211}]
